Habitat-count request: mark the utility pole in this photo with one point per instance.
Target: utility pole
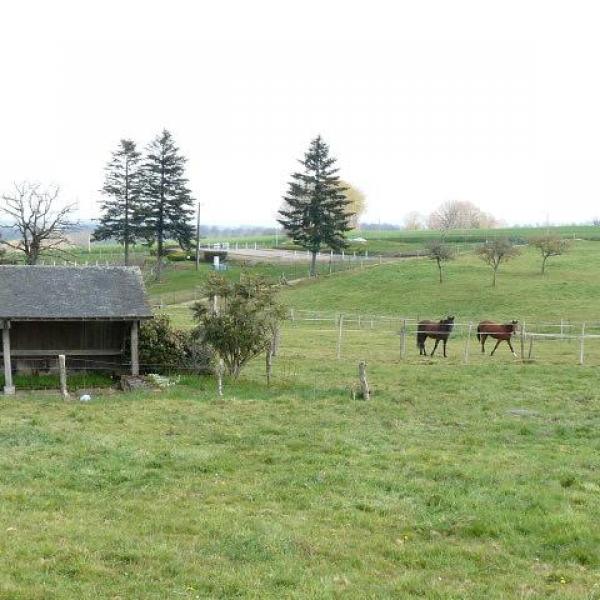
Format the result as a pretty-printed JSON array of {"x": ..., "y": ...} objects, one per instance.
[{"x": 198, "y": 239}]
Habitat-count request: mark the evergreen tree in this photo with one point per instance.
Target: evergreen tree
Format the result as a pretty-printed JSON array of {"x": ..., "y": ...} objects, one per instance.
[
  {"x": 316, "y": 208},
  {"x": 121, "y": 219},
  {"x": 167, "y": 199}
]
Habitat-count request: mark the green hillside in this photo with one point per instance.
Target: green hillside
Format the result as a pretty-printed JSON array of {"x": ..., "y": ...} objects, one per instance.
[{"x": 570, "y": 289}]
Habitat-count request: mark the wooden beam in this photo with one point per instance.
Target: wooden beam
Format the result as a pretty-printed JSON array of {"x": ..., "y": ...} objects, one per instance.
[
  {"x": 135, "y": 358},
  {"x": 75, "y": 352},
  {"x": 9, "y": 388}
]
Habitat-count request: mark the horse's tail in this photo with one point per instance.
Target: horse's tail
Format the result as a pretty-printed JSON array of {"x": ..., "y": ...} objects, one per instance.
[{"x": 478, "y": 333}]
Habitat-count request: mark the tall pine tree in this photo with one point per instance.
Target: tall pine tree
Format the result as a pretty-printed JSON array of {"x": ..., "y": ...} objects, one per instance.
[
  {"x": 121, "y": 218},
  {"x": 316, "y": 211},
  {"x": 167, "y": 199}
]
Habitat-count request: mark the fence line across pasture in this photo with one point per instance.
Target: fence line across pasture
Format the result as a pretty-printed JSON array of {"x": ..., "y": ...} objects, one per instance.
[{"x": 526, "y": 333}]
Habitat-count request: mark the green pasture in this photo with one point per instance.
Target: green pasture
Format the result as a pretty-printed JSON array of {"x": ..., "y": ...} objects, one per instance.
[
  {"x": 451, "y": 482},
  {"x": 463, "y": 477}
]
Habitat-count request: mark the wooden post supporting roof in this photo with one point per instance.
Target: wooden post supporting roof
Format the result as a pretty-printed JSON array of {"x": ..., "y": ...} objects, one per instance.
[
  {"x": 135, "y": 357},
  {"x": 9, "y": 388}
]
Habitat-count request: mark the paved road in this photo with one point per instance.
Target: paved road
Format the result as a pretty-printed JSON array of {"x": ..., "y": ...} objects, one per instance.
[{"x": 268, "y": 255}]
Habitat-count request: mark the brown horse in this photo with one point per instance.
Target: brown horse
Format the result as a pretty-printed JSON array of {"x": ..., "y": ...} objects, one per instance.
[
  {"x": 438, "y": 330},
  {"x": 498, "y": 331}
]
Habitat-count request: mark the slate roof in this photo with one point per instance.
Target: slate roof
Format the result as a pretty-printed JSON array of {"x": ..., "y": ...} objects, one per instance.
[{"x": 63, "y": 293}]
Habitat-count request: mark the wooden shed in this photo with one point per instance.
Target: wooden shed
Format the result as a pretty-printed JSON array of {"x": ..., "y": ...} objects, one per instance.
[{"x": 88, "y": 314}]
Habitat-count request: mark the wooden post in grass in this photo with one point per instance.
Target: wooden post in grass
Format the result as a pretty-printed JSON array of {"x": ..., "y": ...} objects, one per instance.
[
  {"x": 220, "y": 370},
  {"x": 364, "y": 384},
  {"x": 523, "y": 341},
  {"x": 62, "y": 372},
  {"x": 581, "y": 345},
  {"x": 530, "y": 347},
  {"x": 468, "y": 343},
  {"x": 338, "y": 353}
]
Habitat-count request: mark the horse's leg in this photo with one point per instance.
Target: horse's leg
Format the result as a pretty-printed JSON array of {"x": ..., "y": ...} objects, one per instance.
[
  {"x": 445, "y": 340},
  {"x": 437, "y": 341},
  {"x": 494, "y": 350},
  {"x": 483, "y": 338},
  {"x": 511, "y": 347}
]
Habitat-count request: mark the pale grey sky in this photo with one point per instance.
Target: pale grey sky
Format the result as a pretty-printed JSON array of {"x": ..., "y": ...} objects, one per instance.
[{"x": 421, "y": 102}]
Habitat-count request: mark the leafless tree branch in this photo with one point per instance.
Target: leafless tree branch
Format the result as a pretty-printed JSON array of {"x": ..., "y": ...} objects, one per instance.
[{"x": 33, "y": 213}]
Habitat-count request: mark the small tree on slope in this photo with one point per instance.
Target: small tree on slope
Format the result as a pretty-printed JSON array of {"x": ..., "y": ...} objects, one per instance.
[{"x": 241, "y": 322}]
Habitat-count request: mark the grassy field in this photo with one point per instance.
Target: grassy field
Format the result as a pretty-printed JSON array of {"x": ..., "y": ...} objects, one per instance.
[
  {"x": 456, "y": 481},
  {"x": 569, "y": 290},
  {"x": 446, "y": 485}
]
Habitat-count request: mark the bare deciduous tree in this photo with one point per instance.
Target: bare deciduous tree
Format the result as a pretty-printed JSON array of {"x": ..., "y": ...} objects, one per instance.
[
  {"x": 550, "y": 245},
  {"x": 35, "y": 215},
  {"x": 496, "y": 251},
  {"x": 460, "y": 214},
  {"x": 440, "y": 253}
]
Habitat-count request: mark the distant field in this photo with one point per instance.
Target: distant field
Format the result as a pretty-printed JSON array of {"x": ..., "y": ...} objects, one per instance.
[{"x": 378, "y": 242}]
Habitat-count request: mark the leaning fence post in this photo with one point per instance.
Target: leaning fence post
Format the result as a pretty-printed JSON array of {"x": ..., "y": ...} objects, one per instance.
[
  {"x": 468, "y": 343},
  {"x": 581, "y": 345},
  {"x": 339, "y": 341},
  {"x": 362, "y": 376},
  {"x": 62, "y": 370}
]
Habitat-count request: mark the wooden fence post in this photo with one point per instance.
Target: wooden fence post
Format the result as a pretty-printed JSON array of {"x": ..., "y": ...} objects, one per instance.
[
  {"x": 62, "y": 370},
  {"x": 468, "y": 343},
  {"x": 220, "y": 371},
  {"x": 530, "y": 347},
  {"x": 339, "y": 341},
  {"x": 523, "y": 342},
  {"x": 362, "y": 376},
  {"x": 581, "y": 345}
]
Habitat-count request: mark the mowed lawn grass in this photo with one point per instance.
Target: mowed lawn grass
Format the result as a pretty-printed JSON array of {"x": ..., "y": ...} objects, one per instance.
[
  {"x": 451, "y": 483},
  {"x": 569, "y": 290}
]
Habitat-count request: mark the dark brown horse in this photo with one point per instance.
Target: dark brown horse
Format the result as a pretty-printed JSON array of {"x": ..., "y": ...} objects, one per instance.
[
  {"x": 498, "y": 331},
  {"x": 438, "y": 330}
]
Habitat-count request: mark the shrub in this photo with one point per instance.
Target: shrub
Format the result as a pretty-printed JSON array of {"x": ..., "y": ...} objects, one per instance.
[
  {"x": 165, "y": 349},
  {"x": 244, "y": 321}
]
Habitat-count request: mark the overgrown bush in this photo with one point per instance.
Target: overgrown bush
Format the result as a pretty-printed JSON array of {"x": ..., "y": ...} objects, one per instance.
[
  {"x": 165, "y": 349},
  {"x": 239, "y": 319}
]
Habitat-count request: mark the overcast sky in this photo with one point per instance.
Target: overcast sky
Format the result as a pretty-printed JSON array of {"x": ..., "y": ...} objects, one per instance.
[{"x": 493, "y": 102}]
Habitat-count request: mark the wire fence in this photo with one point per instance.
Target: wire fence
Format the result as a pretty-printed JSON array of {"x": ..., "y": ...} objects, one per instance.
[{"x": 353, "y": 335}]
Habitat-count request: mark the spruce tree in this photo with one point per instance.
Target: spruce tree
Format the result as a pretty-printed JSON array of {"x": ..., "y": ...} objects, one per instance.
[
  {"x": 121, "y": 218},
  {"x": 167, "y": 199},
  {"x": 316, "y": 209}
]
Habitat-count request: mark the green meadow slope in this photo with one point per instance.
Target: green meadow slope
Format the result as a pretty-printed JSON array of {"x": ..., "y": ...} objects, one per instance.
[{"x": 569, "y": 290}]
